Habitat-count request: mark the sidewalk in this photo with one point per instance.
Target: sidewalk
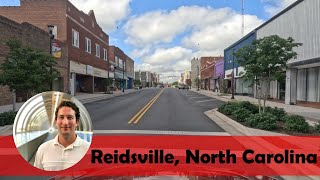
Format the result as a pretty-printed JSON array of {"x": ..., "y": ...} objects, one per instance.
[
  {"x": 312, "y": 115},
  {"x": 82, "y": 97}
]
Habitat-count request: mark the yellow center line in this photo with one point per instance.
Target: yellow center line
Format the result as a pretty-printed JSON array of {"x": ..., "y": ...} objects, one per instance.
[
  {"x": 147, "y": 109},
  {"x": 144, "y": 108}
]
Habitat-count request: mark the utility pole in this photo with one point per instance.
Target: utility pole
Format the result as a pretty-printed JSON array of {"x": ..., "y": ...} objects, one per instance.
[
  {"x": 232, "y": 79},
  {"x": 242, "y": 29},
  {"x": 198, "y": 79}
]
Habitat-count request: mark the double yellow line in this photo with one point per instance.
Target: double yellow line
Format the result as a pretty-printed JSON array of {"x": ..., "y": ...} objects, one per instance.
[{"x": 139, "y": 115}]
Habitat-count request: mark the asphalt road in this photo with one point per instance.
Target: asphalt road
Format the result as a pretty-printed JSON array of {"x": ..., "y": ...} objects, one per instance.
[{"x": 166, "y": 109}]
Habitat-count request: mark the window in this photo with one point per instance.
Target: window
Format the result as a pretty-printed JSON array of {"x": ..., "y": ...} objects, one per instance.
[
  {"x": 105, "y": 54},
  {"x": 88, "y": 45},
  {"x": 120, "y": 63},
  {"x": 55, "y": 31},
  {"x": 97, "y": 50},
  {"x": 75, "y": 38},
  {"x": 117, "y": 61}
]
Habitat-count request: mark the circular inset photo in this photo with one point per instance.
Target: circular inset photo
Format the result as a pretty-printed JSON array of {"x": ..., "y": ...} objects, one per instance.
[{"x": 52, "y": 131}]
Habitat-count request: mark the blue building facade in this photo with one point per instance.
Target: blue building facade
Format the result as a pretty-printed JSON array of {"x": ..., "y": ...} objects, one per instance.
[{"x": 230, "y": 63}]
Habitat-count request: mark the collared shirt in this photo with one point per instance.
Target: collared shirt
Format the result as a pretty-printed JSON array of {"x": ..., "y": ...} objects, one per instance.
[{"x": 52, "y": 156}]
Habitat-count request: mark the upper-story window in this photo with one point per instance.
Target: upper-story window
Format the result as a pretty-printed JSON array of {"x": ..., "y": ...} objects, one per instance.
[
  {"x": 97, "y": 50},
  {"x": 117, "y": 61},
  {"x": 120, "y": 63},
  {"x": 55, "y": 31},
  {"x": 88, "y": 45},
  {"x": 81, "y": 19},
  {"x": 105, "y": 54},
  {"x": 75, "y": 38}
]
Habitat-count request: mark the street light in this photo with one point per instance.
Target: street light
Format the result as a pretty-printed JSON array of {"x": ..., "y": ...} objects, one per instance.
[
  {"x": 51, "y": 36},
  {"x": 198, "y": 76},
  {"x": 232, "y": 79}
]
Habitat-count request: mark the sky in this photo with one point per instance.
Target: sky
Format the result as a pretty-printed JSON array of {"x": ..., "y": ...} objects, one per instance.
[{"x": 163, "y": 36}]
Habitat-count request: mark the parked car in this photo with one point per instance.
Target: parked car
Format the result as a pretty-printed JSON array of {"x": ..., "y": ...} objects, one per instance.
[{"x": 183, "y": 87}]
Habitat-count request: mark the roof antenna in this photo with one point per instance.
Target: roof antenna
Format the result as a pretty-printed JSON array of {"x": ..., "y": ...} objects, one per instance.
[{"x": 242, "y": 29}]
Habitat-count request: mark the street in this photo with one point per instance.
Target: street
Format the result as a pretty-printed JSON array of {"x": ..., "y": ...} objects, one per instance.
[{"x": 167, "y": 110}]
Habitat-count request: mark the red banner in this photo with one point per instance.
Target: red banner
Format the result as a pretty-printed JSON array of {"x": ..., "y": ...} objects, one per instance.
[{"x": 181, "y": 155}]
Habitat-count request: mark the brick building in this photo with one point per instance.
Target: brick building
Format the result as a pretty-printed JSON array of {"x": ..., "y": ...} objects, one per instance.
[
  {"x": 34, "y": 37},
  {"x": 87, "y": 44},
  {"x": 207, "y": 72},
  {"x": 118, "y": 58},
  {"x": 130, "y": 72}
]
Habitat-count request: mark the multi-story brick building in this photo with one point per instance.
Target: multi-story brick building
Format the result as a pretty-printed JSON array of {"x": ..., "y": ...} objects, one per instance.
[
  {"x": 207, "y": 71},
  {"x": 87, "y": 44},
  {"x": 34, "y": 37},
  {"x": 130, "y": 72},
  {"x": 118, "y": 58}
]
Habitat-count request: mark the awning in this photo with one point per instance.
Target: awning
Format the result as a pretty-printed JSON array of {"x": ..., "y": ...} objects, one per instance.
[{"x": 119, "y": 75}]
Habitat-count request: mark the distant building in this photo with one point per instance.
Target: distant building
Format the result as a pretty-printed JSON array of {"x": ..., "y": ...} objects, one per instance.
[
  {"x": 207, "y": 71},
  {"x": 195, "y": 72}
]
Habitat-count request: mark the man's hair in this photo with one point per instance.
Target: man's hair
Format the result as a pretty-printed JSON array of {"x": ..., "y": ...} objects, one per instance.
[{"x": 71, "y": 105}]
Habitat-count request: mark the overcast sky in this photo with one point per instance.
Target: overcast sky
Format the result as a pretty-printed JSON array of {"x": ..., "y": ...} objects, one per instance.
[{"x": 163, "y": 36}]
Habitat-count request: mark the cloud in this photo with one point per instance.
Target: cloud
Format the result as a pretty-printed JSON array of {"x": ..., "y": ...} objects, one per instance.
[
  {"x": 273, "y": 7},
  {"x": 163, "y": 26},
  {"x": 108, "y": 13},
  {"x": 204, "y": 31},
  {"x": 167, "y": 56}
]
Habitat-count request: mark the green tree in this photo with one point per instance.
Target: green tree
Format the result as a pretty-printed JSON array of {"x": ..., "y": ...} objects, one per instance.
[
  {"x": 27, "y": 70},
  {"x": 108, "y": 82},
  {"x": 136, "y": 82},
  {"x": 197, "y": 82},
  {"x": 265, "y": 60},
  {"x": 175, "y": 83}
]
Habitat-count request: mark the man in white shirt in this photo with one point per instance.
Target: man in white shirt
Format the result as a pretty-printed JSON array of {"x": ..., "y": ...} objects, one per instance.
[{"x": 66, "y": 149}]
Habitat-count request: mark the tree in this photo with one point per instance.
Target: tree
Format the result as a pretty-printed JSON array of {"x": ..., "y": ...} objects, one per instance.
[
  {"x": 107, "y": 83},
  {"x": 265, "y": 60},
  {"x": 27, "y": 70},
  {"x": 175, "y": 83},
  {"x": 198, "y": 82},
  {"x": 136, "y": 82}
]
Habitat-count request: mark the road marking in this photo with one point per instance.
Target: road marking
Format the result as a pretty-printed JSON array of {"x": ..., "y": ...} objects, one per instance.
[
  {"x": 145, "y": 108},
  {"x": 205, "y": 100},
  {"x": 156, "y": 132}
]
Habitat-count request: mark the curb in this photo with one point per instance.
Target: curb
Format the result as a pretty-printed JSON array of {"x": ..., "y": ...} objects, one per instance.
[{"x": 243, "y": 130}]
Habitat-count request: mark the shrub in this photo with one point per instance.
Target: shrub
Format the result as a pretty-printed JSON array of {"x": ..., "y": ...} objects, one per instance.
[
  {"x": 7, "y": 118},
  {"x": 264, "y": 121},
  {"x": 296, "y": 123},
  {"x": 241, "y": 114},
  {"x": 228, "y": 108},
  {"x": 317, "y": 127},
  {"x": 249, "y": 106},
  {"x": 280, "y": 113}
]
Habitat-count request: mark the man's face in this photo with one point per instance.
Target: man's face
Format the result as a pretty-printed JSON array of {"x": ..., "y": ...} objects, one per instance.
[{"x": 66, "y": 121}]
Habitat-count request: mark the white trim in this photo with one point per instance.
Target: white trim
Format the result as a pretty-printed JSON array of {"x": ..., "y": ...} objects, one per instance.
[
  {"x": 105, "y": 54},
  {"x": 86, "y": 45},
  {"x": 98, "y": 55},
  {"x": 86, "y": 29},
  {"x": 78, "y": 38}
]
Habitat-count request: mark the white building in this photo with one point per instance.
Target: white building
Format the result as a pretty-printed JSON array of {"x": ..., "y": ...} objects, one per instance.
[{"x": 301, "y": 21}]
